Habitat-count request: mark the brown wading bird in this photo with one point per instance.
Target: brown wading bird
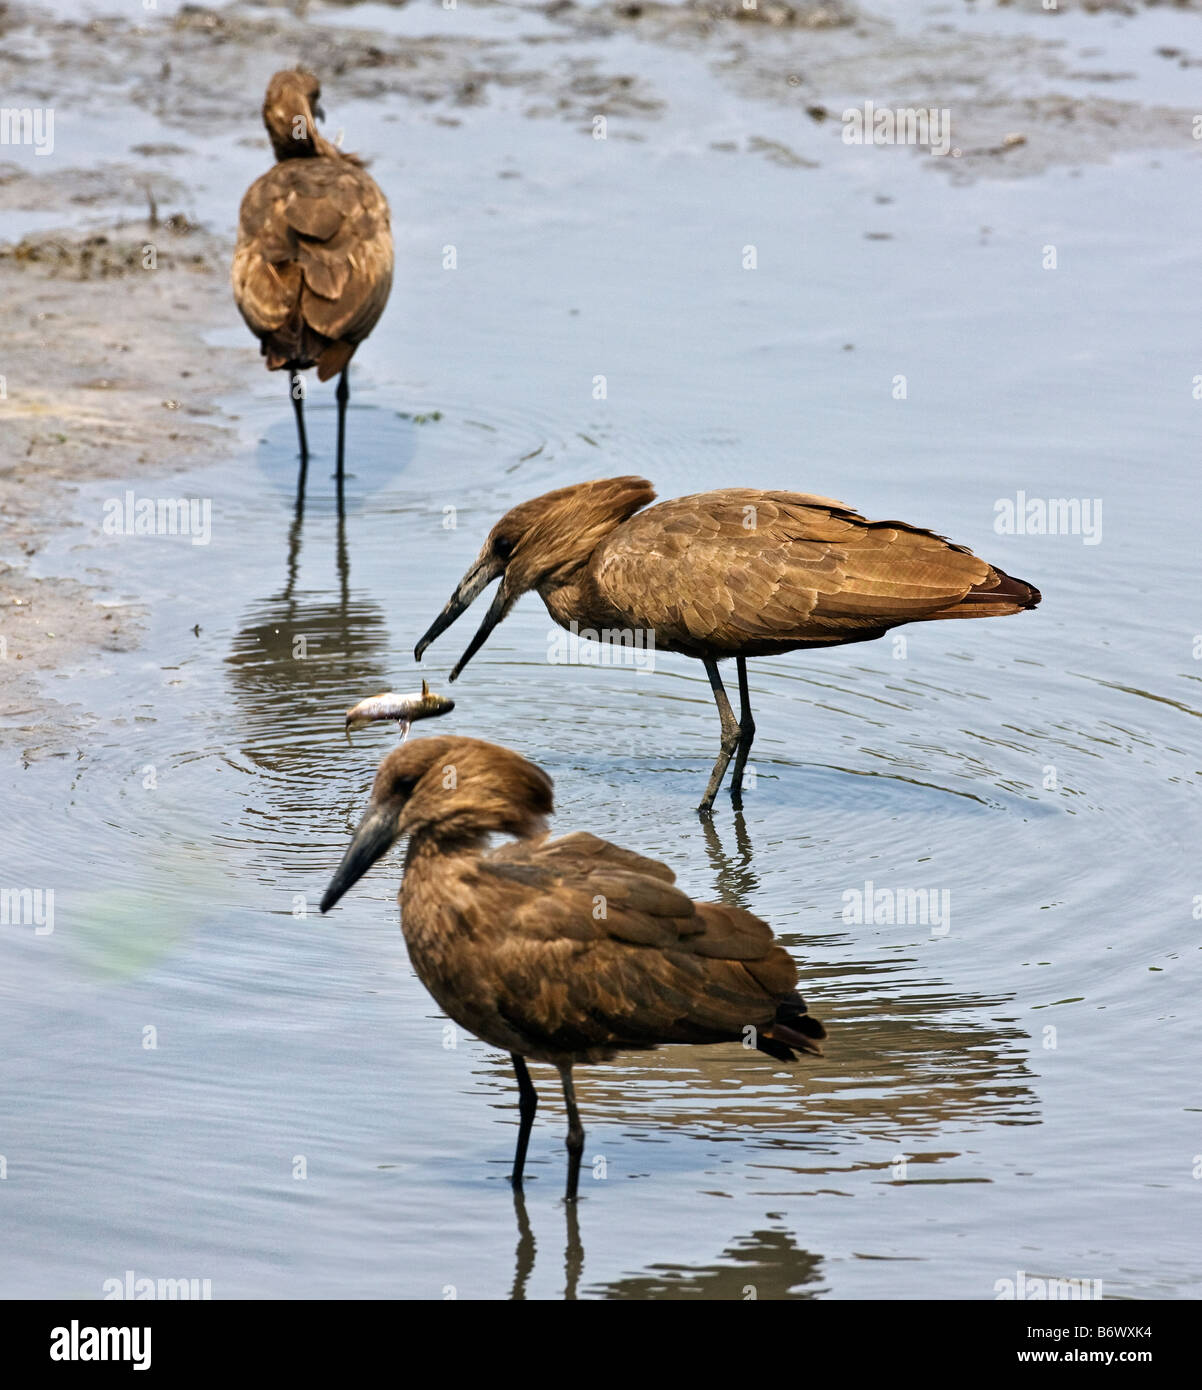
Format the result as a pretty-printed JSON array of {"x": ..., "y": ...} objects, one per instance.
[
  {"x": 313, "y": 264},
  {"x": 560, "y": 951},
  {"x": 740, "y": 572}
]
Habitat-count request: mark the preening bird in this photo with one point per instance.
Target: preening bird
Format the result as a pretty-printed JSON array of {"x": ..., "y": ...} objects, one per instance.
[
  {"x": 313, "y": 262},
  {"x": 560, "y": 951},
  {"x": 741, "y": 572}
]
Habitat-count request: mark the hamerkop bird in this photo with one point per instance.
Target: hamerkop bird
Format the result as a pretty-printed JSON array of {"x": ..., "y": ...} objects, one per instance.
[
  {"x": 740, "y": 572},
  {"x": 313, "y": 264},
  {"x": 560, "y": 951}
]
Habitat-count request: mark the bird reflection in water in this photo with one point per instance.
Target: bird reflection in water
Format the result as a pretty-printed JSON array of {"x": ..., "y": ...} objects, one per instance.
[
  {"x": 527, "y": 1246},
  {"x": 735, "y": 877},
  {"x": 297, "y": 655},
  {"x": 766, "y": 1264}
]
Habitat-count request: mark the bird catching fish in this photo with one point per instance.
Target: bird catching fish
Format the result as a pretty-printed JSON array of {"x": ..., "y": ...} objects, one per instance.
[{"x": 741, "y": 572}]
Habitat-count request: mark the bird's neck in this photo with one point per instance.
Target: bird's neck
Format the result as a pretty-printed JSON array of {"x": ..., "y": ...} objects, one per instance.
[
  {"x": 433, "y": 847},
  {"x": 466, "y": 833},
  {"x": 316, "y": 147},
  {"x": 575, "y": 598}
]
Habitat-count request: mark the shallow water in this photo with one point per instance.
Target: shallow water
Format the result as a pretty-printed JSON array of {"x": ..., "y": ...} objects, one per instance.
[{"x": 1018, "y": 1093}]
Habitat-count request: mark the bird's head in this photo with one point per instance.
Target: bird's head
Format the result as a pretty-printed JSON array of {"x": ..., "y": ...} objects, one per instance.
[
  {"x": 455, "y": 789},
  {"x": 539, "y": 545},
  {"x": 291, "y": 110}
]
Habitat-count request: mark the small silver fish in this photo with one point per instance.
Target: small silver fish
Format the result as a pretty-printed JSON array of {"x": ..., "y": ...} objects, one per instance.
[{"x": 403, "y": 709}]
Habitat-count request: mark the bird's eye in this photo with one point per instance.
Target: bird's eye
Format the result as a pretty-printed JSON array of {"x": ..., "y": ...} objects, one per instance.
[{"x": 503, "y": 547}]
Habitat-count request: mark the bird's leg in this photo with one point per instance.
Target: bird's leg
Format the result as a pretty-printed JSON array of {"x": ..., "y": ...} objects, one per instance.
[
  {"x": 527, "y": 1105},
  {"x": 730, "y": 736},
  {"x": 575, "y": 1140},
  {"x": 296, "y": 389},
  {"x": 342, "y": 395},
  {"x": 746, "y": 735},
  {"x": 302, "y": 475}
]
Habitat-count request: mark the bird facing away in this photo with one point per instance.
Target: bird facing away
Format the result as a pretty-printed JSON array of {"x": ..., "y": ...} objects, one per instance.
[
  {"x": 560, "y": 951},
  {"x": 736, "y": 573},
  {"x": 313, "y": 263}
]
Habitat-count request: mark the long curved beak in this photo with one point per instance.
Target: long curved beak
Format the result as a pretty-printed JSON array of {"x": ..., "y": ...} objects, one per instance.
[
  {"x": 374, "y": 837},
  {"x": 473, "y": 583}
]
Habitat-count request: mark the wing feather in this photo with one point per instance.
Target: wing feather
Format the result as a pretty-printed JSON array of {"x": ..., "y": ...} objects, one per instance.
[
  {"x": 598, "y": 949},
  {"x": 783, "y": 570},
  {"x": 314, "y": 259}
]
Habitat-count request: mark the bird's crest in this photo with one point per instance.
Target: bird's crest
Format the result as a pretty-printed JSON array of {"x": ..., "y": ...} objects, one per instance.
[
  {"x": 558, "y": 531},
  {"x": 463, "y": 788}
]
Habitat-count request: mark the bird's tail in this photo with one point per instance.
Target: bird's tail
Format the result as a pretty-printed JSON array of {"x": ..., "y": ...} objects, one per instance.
[
  {"x": 298, "y": 346},
  {"x": 333, "y": 358},
  {"x": 793, "y": 1028},
  {"x": 994, "y": 597}
]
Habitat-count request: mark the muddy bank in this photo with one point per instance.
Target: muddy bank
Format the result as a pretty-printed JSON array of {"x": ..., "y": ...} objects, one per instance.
[
  {"x": 106, "y": 375},
  {"x": 1079, "y": 84}
]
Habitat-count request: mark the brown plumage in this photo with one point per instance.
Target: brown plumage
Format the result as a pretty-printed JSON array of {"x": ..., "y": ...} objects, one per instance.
[
  {"x": 313, "y": 264},
  {"x": 736, "y": 573},
  {"x": 567, "y": 950}
]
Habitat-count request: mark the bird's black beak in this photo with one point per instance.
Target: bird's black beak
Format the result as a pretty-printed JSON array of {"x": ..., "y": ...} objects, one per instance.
[
  {"x": 318, "y": 112},
  {"x": 473, "y": 583},
  {"x": 375, "y": 836}
]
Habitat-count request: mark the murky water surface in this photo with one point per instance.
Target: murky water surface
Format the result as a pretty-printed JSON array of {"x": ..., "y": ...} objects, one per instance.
[{"x": 1018, "y": 1092}]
